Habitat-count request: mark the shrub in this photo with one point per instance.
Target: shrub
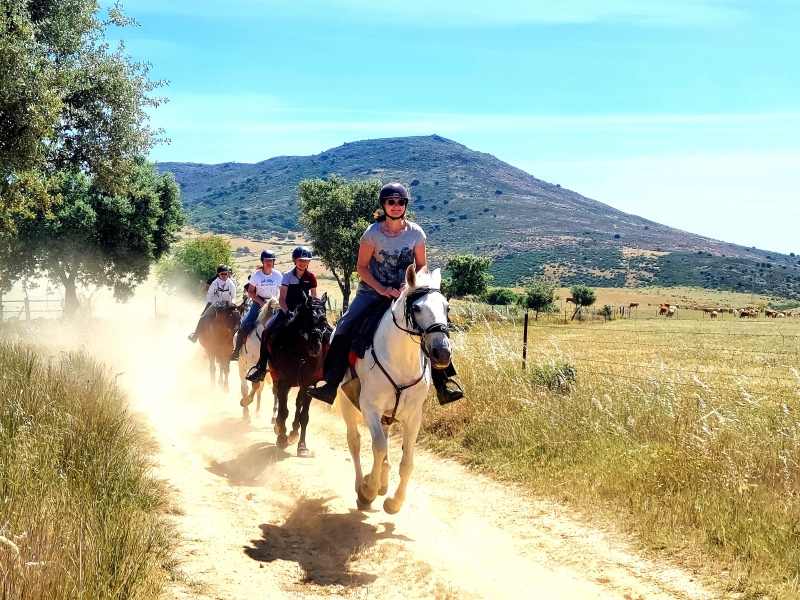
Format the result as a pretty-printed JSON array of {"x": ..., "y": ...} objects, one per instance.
[
  {"x": 414, "y": 182},
  {"x": 498, "y": 192},
  {"x": 607, "y": 312},
  {"x": 468, "y": 275},
  {"x": 558, "y": 377},
  {"x": 616, "y": 236},
  {"x": 501, "y": 296}
]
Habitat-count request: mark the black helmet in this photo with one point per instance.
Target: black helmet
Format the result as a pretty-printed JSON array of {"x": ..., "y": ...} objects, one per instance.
[
  {"x": 302, "y": 252},
  {"x": 393, "y": 190},
  {"x": 222, "y": 269},
  {"x": 267, "y": 255}
]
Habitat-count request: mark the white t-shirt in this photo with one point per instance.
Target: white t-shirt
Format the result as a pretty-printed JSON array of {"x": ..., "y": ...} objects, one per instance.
[
  {"x": 222, "y": 291},
  {"x": 266, "y": 286}
]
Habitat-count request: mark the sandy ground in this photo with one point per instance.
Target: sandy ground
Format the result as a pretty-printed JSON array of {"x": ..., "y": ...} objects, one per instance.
[{"x": 258, "y": 522}]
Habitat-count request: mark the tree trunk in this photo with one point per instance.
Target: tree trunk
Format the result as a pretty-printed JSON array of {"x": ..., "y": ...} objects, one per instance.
[
  {"x": 70, "y": 297},
  {"x": 346, "y": 292},
  {"x": 577, "y": 310}
]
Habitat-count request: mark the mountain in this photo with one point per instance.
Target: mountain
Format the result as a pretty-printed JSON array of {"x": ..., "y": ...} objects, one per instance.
[{"x": 468, "y": 201}]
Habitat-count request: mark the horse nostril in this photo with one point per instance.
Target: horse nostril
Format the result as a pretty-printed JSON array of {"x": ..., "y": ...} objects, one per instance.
[{"x": 435, "y": 353}]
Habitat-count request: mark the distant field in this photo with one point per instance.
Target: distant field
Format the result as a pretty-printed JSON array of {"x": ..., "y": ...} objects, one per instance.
[{"x": 684, "y": 432}]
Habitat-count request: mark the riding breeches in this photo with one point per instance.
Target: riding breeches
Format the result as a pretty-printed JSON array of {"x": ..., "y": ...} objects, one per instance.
[{"x": 206, "y": 318}]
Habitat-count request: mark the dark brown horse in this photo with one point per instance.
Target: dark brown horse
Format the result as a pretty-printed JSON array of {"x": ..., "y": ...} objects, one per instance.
[
  {"x": 217, "y": 340},
  {"x": 297, "y": 351}
]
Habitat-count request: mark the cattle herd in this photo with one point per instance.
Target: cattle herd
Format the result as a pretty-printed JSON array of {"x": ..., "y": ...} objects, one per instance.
[{"x": 670, "y": 310}]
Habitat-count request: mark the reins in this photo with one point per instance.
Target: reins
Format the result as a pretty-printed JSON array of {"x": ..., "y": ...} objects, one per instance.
[{"x": 417, "y": 331}]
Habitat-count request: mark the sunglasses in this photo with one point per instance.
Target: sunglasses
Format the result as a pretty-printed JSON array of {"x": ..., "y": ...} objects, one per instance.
[{"x": 400, "y": 202}]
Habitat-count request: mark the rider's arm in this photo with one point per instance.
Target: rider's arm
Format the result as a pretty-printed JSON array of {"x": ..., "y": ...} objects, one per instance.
[
  {"x": 365, "y": 251},
  {"x": 314, "y": 292},
  {"x": 253, "y": 296},
  {"x": 282, "y": 298},
  {"x": 421, "y": 258}
]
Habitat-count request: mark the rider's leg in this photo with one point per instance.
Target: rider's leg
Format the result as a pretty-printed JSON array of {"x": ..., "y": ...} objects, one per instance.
[
  {"x": 259, "y": 372},
  {"x": 441, "y": 378},
  {"x": 245, "y": 329},
  {"x": 336, "y": 359},
  {"x": 205, "y": 319}
]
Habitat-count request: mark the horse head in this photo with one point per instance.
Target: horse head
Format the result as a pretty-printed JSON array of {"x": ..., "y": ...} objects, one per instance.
[
  {"x": 426, "y": 311},
  {"x": 310, "y": 318}
]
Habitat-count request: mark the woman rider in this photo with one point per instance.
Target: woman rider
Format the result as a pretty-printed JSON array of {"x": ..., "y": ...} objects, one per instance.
[
  {"x": 222, "y": 289},
  {"x": 386, "y": 250},
  {"x": 264, "y": 284},
  {"x": 296, "y": 286}
]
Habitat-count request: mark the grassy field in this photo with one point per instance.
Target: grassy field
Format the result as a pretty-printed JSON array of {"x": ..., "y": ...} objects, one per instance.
[
  {"x": 684, "y": 432},
  {"x": 82, "y": 516}
]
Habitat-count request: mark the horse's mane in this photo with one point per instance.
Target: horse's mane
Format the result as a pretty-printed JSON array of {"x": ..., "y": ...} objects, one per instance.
[{"x": 266, "y": 311}]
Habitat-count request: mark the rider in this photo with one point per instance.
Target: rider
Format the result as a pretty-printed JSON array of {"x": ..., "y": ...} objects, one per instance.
[
  {"x": 220, "y": 290},
  {"x": 264, "y": 284},
  {"x": 296, "y": 286},
  {"x": 386, "y": 250}
]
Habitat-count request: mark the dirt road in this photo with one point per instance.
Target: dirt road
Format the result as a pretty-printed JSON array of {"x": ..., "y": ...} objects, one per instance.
[{"x": 258, "y": 522}]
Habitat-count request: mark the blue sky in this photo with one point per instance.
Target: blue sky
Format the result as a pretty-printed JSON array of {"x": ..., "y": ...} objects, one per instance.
[{"x": 686, "y": 112}]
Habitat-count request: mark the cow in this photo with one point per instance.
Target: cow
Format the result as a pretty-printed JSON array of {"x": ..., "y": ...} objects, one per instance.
[
  {"x": 663, "y": 310},
  {"x": 570, "y": 300},
  {"x": 713, "y": 314},
  {"x": 671, "y": 311},
  {"x": 634, "y": 305}
]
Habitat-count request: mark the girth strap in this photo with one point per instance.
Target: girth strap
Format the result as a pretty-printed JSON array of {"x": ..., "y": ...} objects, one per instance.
[{"x": 398, "y": 389}]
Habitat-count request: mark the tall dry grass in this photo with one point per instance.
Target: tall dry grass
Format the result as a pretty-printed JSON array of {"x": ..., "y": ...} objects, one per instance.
[
  {"x": 687, "y": 433},
  {"x": 81, "y": 515}
]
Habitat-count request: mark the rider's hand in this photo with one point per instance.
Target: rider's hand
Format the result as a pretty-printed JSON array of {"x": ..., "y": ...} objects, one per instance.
[{"x": 390, "y": 292}]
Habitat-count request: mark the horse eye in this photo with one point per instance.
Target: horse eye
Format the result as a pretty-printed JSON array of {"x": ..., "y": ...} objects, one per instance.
[{"x": 416, "y": 308}]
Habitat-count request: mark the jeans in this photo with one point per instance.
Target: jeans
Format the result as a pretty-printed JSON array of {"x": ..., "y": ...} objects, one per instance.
[{"x": 249, "y": 321}]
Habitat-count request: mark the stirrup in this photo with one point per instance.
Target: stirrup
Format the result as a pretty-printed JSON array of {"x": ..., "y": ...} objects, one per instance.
[
  {"x": 447, "y": 395},
  {"x": 255, "y": 374}
]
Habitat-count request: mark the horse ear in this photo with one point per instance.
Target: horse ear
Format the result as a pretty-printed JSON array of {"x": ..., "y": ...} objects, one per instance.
[
  {"x": 436, "y": 279},
  {"x": 411, "y": 276},
  {"x": 324, "y": 298}
]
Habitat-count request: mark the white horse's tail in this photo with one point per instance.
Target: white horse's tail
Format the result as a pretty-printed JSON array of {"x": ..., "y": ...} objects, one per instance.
[{"x": 266, "y": 312}]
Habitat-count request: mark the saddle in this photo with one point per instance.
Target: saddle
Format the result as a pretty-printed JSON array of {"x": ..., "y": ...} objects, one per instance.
[{"x": 362, "y": 333}]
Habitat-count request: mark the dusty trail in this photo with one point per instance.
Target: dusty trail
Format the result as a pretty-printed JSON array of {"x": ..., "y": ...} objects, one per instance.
[{"x": 258, "y": 522}]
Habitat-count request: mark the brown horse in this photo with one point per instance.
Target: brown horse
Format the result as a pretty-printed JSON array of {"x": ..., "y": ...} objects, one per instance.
[{"x": 217, "y": 341}]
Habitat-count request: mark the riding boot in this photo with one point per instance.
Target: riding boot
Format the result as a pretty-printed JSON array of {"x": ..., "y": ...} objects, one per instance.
[
  {"x": 259, "y": 372},
  {"x": 241, "y": 338},
  {"x": 441, "y": 379},
  {"x": 336, "y": 363},
  {"x": 205, "y": 319}
]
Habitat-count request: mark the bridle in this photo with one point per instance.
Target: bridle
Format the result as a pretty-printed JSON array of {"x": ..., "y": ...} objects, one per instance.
[
  {"x": 306, "y": 335},
  {"x": 415, "y": 330}
]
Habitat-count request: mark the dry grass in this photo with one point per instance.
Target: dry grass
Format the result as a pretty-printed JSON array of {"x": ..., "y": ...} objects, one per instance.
[
  {"x": 686, "y": 432},
  {"x": 81, "y": 514}
]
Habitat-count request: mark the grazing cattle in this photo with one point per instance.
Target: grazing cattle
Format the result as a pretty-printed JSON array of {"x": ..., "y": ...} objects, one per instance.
[
  {"x": 570, "y": 300},
  {"x": 713, "y": 314},
  {"x": 770, "y": 313},
  {"x": 663, "y": 310},
  {"x": 734, "y": 312},
  {"x": 750, "y": 314},
  {"x": 672, "y": 311},
  {"x": 634, "y": 305}
]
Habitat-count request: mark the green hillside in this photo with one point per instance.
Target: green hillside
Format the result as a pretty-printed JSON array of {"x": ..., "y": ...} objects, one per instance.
[{"x": 471, "y": 201}]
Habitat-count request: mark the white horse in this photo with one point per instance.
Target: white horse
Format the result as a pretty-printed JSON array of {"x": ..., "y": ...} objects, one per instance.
[
  {"x": 248, "y": 357},
  {"x": 394, "y": 380}
]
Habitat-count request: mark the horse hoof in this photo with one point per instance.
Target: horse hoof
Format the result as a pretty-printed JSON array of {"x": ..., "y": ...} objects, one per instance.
[
  {"x": 391, "y": 507},
  {"x": 225, "y": 388},
  {"x": 293, "y": 437},
  {"x": 383, "y": 490},
  {"x": 302, "y": 451},
  {"x": 282, "y": 442},
  {"x": 276, "y": 429},
  {"x": 362, "y": 496},
  {"x": 363, "y": 505}
]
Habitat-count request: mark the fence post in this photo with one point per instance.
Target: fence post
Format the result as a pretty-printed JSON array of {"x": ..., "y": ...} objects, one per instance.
[
  {"x": 27, "y": 309},
  {"x": 1, "y": 306},
  {"x": 525, "y": 342},
  {"x": 565, "y": 317}
]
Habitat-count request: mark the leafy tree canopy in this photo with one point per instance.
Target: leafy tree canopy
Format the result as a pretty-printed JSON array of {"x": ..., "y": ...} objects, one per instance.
[
  {"x": 194, "y": 262},
  {"x": 582, "y": 295},
  {"x": 335, "y": 214},
  {"x": 539, "y": 296},
  {"x": 501, "y": 296},
  {"x": 68, "y": 104},
  {"x": 468, "y": 275},
  {"x": 100, "y": 239}
]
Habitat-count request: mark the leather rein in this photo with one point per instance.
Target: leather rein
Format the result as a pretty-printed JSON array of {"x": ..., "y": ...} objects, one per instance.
[{"x": 418, "y": 332}]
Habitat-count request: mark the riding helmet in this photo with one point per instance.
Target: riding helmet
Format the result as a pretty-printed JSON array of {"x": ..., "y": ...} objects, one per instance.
[
  {"x": 393, "y": 190},
  {"x": 222, "y": 269},
  {"x": 267, "y": 255},
  {"x": 302, "y": 252}
]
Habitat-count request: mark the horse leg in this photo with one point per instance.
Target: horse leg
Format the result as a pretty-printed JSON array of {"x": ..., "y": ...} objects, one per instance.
[
  {"x": 212, "y": 368},
  {"x": 225, "y": 369},
  {"x": 350, "y": 416},
  {"x": 274, "y": 405},
  {"x": 368, "y": 491},
  {"x": 394, "y": 503},
  {"x": 302, "y": 449},
  {"x": 283, "y": 413},
  {"x": 298, "y": 408},
  {"x": 385, "y": 466},
  {"x": 258, "y": 387}
]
